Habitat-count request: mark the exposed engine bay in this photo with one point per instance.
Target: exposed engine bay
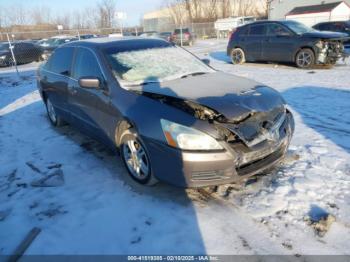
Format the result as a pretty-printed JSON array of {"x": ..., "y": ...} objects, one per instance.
[{"x": 330, "y": 50}]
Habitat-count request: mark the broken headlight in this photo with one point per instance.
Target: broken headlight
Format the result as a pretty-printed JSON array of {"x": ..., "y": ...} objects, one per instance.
[{"x": 187, "y": 138}]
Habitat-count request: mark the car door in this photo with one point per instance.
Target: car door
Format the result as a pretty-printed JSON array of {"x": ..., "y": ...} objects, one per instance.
[
  {"x": 252, "y": 42},
  {"x": 90, "y": 107},
  {"x": 56, "y": 76},
  {"x": 278, "y": 44}
]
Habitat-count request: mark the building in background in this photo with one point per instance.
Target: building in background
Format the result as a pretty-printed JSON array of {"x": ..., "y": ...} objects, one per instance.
[
  {"x": 159, "y": 20},
  {"x": 311, "y": 15},
  {"x": 199, "y": 13},
  {"x": 309, "y": 12}
]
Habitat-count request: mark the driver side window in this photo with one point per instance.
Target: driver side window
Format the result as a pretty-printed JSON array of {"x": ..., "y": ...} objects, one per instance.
[
  {"x": 86, "y": 65},
  {"x": 276, "y": 29}
]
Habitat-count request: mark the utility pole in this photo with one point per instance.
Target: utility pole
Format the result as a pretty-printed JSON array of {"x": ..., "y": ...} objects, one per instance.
[{"x": 268, "y": 8}]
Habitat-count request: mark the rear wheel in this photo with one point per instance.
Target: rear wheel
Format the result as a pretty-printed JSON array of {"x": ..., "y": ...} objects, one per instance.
[
  {"x": 51, "y": 112},
  {"x": 305, "y": 58},
  {"x": 136, "y": 159},
  {"x": 237, "y": 56}
]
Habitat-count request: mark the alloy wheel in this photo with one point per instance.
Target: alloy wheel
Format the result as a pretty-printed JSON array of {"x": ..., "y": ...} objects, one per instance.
[
  {"x": 237, "y": 57},
  {"x": 304, "y": 59},
  {"x": 136, "y": 159}
]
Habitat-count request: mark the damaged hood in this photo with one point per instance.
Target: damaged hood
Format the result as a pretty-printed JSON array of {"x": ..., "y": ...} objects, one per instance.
[{"x": 230, "y": 95}]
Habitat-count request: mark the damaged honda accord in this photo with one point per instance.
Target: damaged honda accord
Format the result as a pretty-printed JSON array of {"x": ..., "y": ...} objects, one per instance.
[{"x": 171, "y": 116}]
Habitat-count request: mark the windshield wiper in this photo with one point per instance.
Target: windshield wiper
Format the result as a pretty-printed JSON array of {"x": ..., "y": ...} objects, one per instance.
[
  {"x": 141, "y": 83},
  {"x": 193, "y": 74}
]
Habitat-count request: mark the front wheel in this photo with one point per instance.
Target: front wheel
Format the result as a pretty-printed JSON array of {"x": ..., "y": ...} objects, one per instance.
[
  {"x": 305, "y": 58},
  {"x": 237, "y": 56},
  {"x": 136, "y": 159}
]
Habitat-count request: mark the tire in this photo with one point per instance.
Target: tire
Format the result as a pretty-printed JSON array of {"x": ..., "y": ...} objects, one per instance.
[
  {"x": 237, "y": 56},
  {"x": 305, "y": 58},
  {"x": 135, "y": 155},
  {"x": 55, "y": 119}
]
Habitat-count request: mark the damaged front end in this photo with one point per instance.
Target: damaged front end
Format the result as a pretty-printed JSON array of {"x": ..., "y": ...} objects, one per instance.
[
  {"x": 255, "y": 140},
  {"x": 329, "y": 51}
]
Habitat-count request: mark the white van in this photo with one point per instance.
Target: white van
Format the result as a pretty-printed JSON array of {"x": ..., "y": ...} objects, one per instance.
[{"x": 226, "y": 25}]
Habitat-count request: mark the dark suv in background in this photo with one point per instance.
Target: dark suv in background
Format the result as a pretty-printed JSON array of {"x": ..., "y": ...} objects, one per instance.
[
  {"x": 335, "y": 26},
  {"x": 185, "y": 34},
  {"x": 285, "y": 41}
]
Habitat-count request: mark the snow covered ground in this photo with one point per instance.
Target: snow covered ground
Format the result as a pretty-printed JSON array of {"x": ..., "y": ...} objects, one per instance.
[{"x": 93, "y": 208}]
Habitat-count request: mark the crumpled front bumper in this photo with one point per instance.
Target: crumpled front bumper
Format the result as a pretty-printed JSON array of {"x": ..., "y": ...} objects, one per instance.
[
  {"x": 236, "y": 162},
  {"x": 332, "y": 52}
]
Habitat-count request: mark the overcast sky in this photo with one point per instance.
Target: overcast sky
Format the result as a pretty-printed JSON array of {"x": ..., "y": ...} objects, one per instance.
[{"x": 133, "y": 8}]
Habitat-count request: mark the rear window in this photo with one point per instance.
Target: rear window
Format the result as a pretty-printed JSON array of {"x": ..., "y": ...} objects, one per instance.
[
  {"x": 61, "y": 60},
  {"x": 243, "y": 30},
  {"x": 257, "y": 30},
  {"x": 184, "y": 30},
  {"x": 339, "y": 27}
]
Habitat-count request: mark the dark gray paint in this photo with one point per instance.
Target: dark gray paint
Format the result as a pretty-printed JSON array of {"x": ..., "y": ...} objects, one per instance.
[{"x": 102, "y": 112}]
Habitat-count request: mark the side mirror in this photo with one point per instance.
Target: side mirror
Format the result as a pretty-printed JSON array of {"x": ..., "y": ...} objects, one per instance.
[
  {"x": 206, "y": 61},
  {"x": 90, "y": 83}
]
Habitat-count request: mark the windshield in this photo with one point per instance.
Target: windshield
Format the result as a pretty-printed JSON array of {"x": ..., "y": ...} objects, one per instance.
[
  {"x": 184, "y": 30},
  {"x": 298, "y": 28},
  {"x": 154, "y": 65}
]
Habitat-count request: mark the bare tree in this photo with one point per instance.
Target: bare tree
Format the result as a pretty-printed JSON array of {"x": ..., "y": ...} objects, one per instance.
[
  {"x": 225, "y": 8},
  {"x": 15, "y": 15},
  {"x": 91, "y": 18},
  {"x": 106, "y": 11},
  {"x": 41, "y": 15},
  {"x": 64, "y": 20}
]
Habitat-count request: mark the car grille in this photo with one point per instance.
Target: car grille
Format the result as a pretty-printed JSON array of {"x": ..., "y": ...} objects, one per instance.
[
  {"x": 259, "y": 164},
  {"x": 211, "y": 175},
  {"x": 259, "y": 127}
]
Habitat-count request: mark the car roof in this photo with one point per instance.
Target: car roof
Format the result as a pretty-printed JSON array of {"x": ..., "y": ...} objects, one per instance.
[
  {"x": 269, "y": 22},
  {"x": 106, "y": 42},
  {"x": 333, "y": 22}
]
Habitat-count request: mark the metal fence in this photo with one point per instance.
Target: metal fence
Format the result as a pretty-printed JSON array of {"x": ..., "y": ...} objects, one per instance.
[
  {"x": 200, "y": 30},
  {"x": 29, "y": 48}
]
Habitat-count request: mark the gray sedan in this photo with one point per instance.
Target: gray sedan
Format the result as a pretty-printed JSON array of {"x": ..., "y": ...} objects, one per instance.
[{"x": 170, "y": 115}]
